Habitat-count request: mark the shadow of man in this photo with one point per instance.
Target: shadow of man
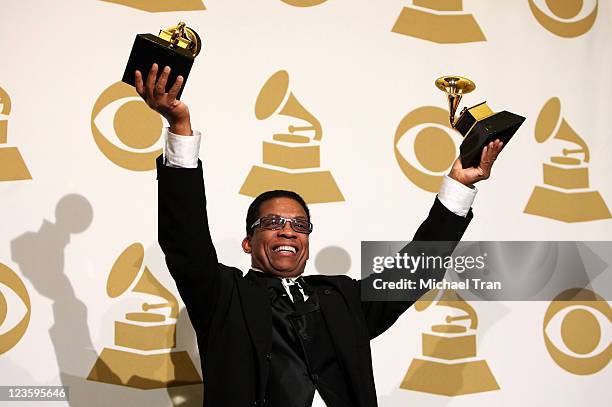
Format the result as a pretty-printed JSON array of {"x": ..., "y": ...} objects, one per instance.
[{"x": 40, "y": 256}]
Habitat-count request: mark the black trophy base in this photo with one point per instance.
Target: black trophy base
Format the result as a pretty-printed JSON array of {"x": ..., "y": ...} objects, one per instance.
[
  {"x": 500, "y": 126},
  {"x": 149, "y": 49}
]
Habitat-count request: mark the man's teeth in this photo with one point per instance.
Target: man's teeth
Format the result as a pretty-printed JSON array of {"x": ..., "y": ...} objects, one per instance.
[{"x": 285, "y": 249}]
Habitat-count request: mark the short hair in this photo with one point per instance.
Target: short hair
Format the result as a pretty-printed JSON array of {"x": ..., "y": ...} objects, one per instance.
[{"x": 253, "y": 211}]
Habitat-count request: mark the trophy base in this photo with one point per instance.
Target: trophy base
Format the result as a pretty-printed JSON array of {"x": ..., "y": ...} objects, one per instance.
[
  {"x": 500, "y": 125},
  {"x": 12, "y": 166},
  {"x": 145, "y": 337},
  {"x": 449, "y": 379},
  {"x": 567, "y": 207},
  {"x": 149, "y": 49},
  {"x": 144, "y": 371},
  {"x": 440, "y": 28},
  {"x": 314, "y": 187},
  {"x": 291, "y": 155},
  {"x": 449, "y": 347}
]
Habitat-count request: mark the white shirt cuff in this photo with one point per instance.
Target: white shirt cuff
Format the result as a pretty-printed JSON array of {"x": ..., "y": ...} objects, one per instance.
[
  {"x": 182, "y": 151},
  {"x": 457, "y": 198}
]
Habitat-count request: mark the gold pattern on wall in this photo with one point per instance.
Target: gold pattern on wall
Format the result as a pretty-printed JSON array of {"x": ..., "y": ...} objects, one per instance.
[
  {"x": 434, "y": 148},
  {"x": 450, "y": 367},
  {"x": 565, "y": 195},
  {"x": 291, "y": 160},
  {"x": 304, "y": 3},
  {"x": 564, "y": 23},
  {"x": 580, "y": 331},
  {"x": 12, "y": 166},
  {"x": 156, "y": 6},
  {"x": 152, "y": 332},
  {"x": 135, "y": 125},
  {"x": 10, "y": 337},
  {"x": 441, "y": 21}
]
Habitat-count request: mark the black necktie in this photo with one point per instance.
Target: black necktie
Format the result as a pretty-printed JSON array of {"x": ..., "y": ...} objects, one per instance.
[{"x": 298, "y": 298}]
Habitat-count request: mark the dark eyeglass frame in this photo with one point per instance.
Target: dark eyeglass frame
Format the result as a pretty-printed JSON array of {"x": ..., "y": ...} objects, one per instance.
[{"x": 281, "y": 224}]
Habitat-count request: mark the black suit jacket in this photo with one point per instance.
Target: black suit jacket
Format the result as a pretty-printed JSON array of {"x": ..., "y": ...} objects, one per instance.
[{"x": 231, "y": 314}]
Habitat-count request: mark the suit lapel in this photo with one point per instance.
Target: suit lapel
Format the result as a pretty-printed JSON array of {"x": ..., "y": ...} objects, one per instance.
[{"x": 258, "y": 315}]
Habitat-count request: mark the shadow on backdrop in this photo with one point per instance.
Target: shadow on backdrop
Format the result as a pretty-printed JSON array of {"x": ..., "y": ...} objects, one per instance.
[
  {"x": 333, "y": 260},
  {"x": 40, "y": 256}
]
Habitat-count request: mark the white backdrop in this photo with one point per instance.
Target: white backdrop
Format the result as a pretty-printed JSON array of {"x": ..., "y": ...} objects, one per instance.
[{"x": 359, "y": 79}]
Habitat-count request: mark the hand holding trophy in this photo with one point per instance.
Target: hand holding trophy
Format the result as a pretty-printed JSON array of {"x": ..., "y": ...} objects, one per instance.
[
  {"x": 484, "y": 132},
  {"x": 165, "y": 103}
]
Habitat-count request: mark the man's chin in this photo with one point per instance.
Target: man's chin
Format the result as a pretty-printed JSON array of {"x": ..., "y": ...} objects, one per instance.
[{"x": 288, "y": 273}]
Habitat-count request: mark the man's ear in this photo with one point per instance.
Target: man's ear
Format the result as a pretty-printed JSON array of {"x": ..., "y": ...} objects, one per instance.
[{"x": 246, "y": 244}]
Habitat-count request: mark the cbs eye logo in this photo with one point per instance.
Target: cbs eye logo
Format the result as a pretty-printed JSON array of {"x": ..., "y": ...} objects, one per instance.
[
  {"x": 304, "y": 3},
  {"x": 12, "y": 324},
  {"x": 565, "y": 18},
  {"x": 583, "y": 320},
  {"x": 424, "y": 147},
  {"x": 121, "y": 117}
]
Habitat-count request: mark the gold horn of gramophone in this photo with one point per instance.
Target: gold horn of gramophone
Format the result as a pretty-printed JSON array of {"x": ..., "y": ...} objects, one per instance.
[
  {"x": 478, "y": 124},
  {"x": 454, "y": 87},
  {"x": 550, "y": 119},
  {"x": 126, "y": 270},
  {"x": 270, "y": 99}
]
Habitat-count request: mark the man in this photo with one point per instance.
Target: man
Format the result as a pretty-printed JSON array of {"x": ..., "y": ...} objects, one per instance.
[{"x": 272, "y": 337}]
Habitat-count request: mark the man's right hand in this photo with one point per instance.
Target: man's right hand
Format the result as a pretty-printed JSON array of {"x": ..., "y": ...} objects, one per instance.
[{"x": 166, "y": 104}]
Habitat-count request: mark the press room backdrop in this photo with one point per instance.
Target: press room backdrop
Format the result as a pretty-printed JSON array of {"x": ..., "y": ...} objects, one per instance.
[{"x": 85, "y": 298}]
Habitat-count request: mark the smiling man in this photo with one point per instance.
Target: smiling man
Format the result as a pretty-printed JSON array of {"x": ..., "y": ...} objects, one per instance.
[
  {"x": 280, "y": 248},
  {"x": 272, "y": 337}
]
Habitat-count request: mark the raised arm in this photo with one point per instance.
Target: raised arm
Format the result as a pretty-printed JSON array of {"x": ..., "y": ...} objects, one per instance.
[
  {"x": 446, "y": 222},
  {"x": 183, "y": 230}
]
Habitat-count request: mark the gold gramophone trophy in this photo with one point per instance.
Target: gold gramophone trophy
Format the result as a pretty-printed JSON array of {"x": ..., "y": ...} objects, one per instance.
[
  {"x": 450, "y": 367},
  {"x": 12, "y": 166},
  {"x": 478, "y": 124},
  {"x": 176, "y": 47},
  {"x": 142, "y": 356},
  {"x": 292, "y": 159}
]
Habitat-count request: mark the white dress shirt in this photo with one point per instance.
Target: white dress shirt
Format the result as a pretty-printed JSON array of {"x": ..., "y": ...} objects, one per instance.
[{"x": 183, "y": 151}]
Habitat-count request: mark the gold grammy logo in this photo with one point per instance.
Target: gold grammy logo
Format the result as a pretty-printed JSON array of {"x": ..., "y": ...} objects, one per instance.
[
  {"x": 565, "y": 196},
  {"x": 12, "y": 166},
  {"x": 134, "y": 125},
  {"x": 571, "y": 17},
  {"x": 142, "y": 356},
  {"x": 10, "y": 337},
  {"x": 585, "y": 316},
  {"x": 155, "y": 6},
  {"x": 445, "y": 371},
  {"x": 429, "y": 138},
  {"x": 304, "y": 3},
  {"x": 291, "y": 159},
  {"x": 441, "y": 21}
]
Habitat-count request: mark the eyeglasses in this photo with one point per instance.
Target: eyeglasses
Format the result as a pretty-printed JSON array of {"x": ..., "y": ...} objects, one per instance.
[{"x": 278, "y": 223}]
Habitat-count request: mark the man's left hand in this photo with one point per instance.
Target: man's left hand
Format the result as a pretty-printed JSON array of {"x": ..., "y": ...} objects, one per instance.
[{"x": 469, "y": 176}]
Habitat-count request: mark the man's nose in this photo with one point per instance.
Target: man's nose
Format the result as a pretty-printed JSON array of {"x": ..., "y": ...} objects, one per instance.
[{"x": 287, "y": 230}]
